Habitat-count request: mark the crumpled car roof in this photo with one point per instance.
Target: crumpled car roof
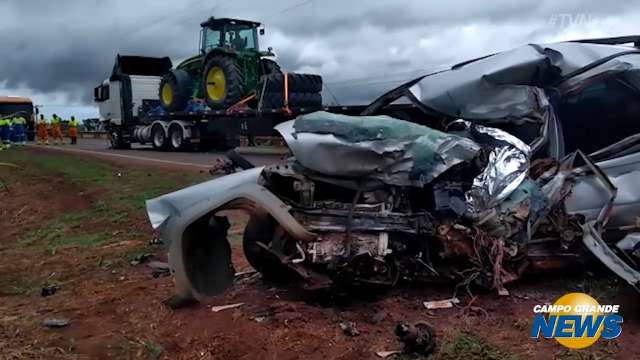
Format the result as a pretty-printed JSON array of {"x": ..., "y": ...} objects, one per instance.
[{"x": 499, "y": 86}]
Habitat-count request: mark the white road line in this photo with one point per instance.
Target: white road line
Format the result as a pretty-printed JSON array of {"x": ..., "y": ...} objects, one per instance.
[{"x": 50, "y": 147}]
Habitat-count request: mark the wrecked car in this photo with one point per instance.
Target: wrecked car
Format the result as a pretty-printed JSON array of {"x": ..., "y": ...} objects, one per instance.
[{"x": 516, "y": 162}]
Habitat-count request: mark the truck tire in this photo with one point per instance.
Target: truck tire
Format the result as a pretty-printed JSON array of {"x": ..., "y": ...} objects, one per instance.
[
  {"x": 158, "y": 138},
  {"x": 222, "y": 82},
  {"x": 304, "y": 83},
  {"x": 175, "y": 90},
  {"x": 261, "y": 228},
  {"x": 296, "y": 99},
  {"x": 176, "y": 139},
  {"x": 117, "y": 141},
  {"x": 268, "y": 66}
]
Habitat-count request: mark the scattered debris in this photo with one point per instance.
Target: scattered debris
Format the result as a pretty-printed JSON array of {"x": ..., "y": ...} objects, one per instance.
[
  {"x": 418, "y": 338},
  {"x": 48, "y": 290},
  {"x": 56, "y": 323},
  {"x": 386, "y": 354},
  {"x": 349, "y": 328},
  {"x": 155, "y": 240},
  {"x": 259, "y": 319},
  {"x": 239, "y": 276},
  {"x": 140, "y": 258},
  {"x": 159, "y": 268},
  {"x": 441, "y": 304},
  {"x": 225, "y": 307}
]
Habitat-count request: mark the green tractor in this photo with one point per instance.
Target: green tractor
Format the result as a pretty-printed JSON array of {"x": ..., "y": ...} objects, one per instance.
[{"x": 230, "y": 67}]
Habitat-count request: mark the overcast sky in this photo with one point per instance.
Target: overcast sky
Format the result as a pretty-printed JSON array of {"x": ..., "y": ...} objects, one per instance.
[{"x": 57, "y": 51}]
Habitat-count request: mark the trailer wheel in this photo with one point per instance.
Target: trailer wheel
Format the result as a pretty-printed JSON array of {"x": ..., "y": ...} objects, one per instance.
[
  {"x": 158, "y": 138},
  {"x": 116, "y": 140},
  {"x": 176, "y": 138}
]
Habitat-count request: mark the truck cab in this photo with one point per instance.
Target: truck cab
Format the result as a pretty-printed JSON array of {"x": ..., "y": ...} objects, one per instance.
[{"x": 125, "y": 96}]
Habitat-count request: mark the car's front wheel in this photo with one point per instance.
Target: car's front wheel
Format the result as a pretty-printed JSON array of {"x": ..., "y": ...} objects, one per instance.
[{"x": 262, "y": 229}]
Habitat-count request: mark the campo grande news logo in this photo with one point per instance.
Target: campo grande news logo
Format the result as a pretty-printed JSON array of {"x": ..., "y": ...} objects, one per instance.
[{"x": 577, "y": 321}]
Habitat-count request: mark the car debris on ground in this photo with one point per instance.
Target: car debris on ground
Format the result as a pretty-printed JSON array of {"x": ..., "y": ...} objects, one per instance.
[
  {"x": 48, "y": 290},
  {"x": 225, "y": 307},
  {"x": 349, "y": 328},
  {"x": 56, "y": 323},
  {"x": 441, "y": 304},
  {"x": 418, "y": 338},
  {"x": 493, "y": 177}
]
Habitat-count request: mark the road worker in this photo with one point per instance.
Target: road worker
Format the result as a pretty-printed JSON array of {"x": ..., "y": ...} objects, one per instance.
[
  {"x": 5, "y": 132},
  {"x": 73, "y": 130},
  {"x": 43, "y": 132},
  {"x": 56, "y": 131},
  {"x": 20, "y": 130}
]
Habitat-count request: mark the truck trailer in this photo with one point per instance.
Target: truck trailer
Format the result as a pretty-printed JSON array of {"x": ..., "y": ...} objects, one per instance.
[
  {"x": 131, "y": 112},
  {"x": 130, "y": 109}
]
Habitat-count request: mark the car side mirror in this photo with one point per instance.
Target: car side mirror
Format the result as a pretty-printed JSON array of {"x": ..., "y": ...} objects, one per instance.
[{"x": 261, "y": 31}]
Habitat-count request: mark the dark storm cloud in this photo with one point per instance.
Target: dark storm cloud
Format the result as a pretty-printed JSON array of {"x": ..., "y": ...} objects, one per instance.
[{"x": 69, "y": 46}]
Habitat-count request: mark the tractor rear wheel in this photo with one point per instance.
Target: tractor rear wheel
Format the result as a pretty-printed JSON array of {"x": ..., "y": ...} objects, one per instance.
[
  {"x": 176, "y": 89},
  {"x": 222, "y": 82},
  {"x": 268, "y": 66}
]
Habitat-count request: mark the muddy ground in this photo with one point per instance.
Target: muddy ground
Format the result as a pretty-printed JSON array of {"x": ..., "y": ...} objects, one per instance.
[{"x": 78, "y": 224}]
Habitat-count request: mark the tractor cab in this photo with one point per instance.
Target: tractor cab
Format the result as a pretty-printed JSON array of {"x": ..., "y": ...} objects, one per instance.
[
  {"x": 229, "y": 68},
  {"x": 229, "y": 34}
]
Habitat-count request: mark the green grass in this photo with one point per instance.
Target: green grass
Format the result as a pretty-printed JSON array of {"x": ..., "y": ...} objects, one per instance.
[
  {"x": 465, "y": 345},
  {"x": 77, "y": 170},
  {"x": 65, "y": 230},
  {"x": 123, "y": 195}
]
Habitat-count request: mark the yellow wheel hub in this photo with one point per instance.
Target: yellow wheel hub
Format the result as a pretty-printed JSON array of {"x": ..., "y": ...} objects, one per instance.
[
  {"x": 167, "y": 94},
  {"x": 216, "y": 84}
]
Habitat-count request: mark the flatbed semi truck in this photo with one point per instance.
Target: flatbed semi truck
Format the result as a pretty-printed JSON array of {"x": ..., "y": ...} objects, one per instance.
[{"x": 129, "y": 106}]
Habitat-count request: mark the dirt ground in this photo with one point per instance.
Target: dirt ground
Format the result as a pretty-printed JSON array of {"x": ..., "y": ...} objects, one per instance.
[{"x": 79, "y": 224}]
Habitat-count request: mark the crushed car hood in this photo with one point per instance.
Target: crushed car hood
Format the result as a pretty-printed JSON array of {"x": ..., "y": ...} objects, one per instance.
[{"x": 383, "y": 148}]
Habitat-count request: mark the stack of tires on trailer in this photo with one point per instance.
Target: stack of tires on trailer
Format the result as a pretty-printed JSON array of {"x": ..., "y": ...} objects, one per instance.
[{"x": 302, "y": 90}]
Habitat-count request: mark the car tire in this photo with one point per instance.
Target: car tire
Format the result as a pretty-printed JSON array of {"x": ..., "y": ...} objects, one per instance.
[
  {"x": 261, "y": 228},
  {"x": 158, "y": 138},
  {"x": 175, "y": 90}
]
